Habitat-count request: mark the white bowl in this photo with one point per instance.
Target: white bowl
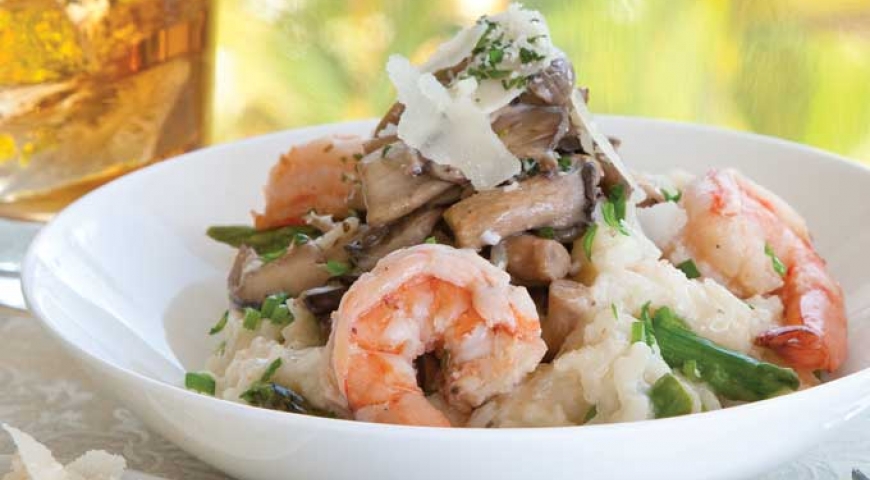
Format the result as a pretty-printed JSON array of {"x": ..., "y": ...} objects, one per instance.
[{"x": 127, "y": 279}]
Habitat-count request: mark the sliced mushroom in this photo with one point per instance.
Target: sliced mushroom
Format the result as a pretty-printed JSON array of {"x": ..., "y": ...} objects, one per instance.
[
  {"x": 567, "y": 303},
  {"x": 300, "y": 269},
  {"x": 552, "y": 86},
  {"x": 322, "y": 301},
  {"x": 558, "y": 201},
  {"x": 376, "y": 243},
  {"x": 531, "y": 131},
  {"x": 390, "y": 191},
  {"x": 532, "y": 260}
]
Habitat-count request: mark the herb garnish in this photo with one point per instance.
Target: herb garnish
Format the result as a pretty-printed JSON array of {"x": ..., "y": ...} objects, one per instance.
[
  {"x": 252, "y": 318},
  {"x": 337, "y": 268},
  {"x": 690, "y": 269},
  {"x": 589, "y": 239},
  {"x": 613, "y": 210},
  {"x": 199, "y": 382},
  {"x": 672, "y": 197},
  {"x": 220, "y": 324},
  {"x": 778, "y": 266},
  {"x": 528, "y": 55},
  {"x": 546, "y": 232},
  {"x": 565, "y": 163}
]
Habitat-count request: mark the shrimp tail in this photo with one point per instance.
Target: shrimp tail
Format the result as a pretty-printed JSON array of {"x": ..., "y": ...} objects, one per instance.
[{"x": 814, "y": 336}]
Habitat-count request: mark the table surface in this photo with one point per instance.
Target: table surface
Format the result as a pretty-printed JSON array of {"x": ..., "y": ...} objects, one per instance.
[{"x": 46, "y": 394}]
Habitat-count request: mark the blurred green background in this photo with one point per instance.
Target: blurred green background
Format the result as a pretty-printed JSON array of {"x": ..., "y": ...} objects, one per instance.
[{"x": 798, "y": 69}]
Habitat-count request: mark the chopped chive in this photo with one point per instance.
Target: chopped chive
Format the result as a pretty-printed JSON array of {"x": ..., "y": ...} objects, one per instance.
[
  {"x": 778, "y": 266},
  {"x": 590, "y": 414},
  {"x": 672, "y": 197},
  {"x": 385, "y": 150},
  {"x": 358, "y": 156},
  {"x": 282, "y": 316},
  {"x": 252, "y": 318},
  {"x": 271, "y": 369},
  {"x": 271, "y": 302},
  {"x": 431, "y": 240},
  {"x": 589, "y": 239},
  {"x": 690, "y": 269},
  {"x": 690, "y": 370},
  {"x": 614, "y": 310},
  {"x": 220, "y": 324},
  {"x": 646, "y": 319},
  {"x": 199, "y": 382},
  {"x": 337, "y": 268},
  {"x": 617, "y": 196},
  {"x": 670, "y": 398},
  {"x": 638, "y": 332},
  {"x": 527, "y": 55},
  {"x": 546, "y": 232},
  {"x": 565, "y": 163},
  {"x": 608, "y": 211},
  {"x": 272, "y": 256},
  {"x": 221, "y": 348}
]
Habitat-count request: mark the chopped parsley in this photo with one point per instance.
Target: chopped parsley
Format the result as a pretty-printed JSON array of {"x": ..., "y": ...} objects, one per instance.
[
  {"x": 220, "y": 324},
  {"x": 528, "y": 55},
  {"x": 337, "y": 268},
  {"x": 778, "y": 266},
  {"x": 690, "y": 269},
  {"x": 515, "y": 82},
  {"x": 199, "y": 382},
  {"x": 672, "y": 197},
  {"x": 565, "y": 163},
  {"x": 589, "y": 239}
]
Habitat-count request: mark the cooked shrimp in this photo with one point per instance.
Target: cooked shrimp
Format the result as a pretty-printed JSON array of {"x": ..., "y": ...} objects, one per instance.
[
  {"x": 735, "y": 232},
  {"x": 318, "y": 175},
  {"x": 431, "y": 298}
]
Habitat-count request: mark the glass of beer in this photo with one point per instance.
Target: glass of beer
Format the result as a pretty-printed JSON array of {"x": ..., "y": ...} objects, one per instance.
[{"x": 90, "y": 90}]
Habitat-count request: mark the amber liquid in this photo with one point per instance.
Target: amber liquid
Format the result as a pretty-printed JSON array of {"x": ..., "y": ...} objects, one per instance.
[{"x": 92, "y": 89}]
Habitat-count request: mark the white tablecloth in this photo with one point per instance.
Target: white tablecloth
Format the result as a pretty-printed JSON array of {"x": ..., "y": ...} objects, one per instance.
[{"x": 43, "y": 392}]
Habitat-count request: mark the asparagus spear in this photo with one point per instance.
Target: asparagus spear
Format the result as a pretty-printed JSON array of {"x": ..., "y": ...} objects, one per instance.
[
  {"x": 731, "y": 374},
  {"x": 263, "y": 241}
]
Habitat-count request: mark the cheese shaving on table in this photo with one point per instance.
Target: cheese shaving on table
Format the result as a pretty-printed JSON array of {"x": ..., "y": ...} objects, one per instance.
[
  {"x": 451, "y": 125},
  {"x": 35, "y": 462}
]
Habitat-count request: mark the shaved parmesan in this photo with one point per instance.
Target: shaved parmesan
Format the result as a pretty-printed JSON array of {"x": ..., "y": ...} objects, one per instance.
[
  {"x": 455, "y": 50},
  {"x": 447, "y": 128},
  {"x": 612, "y": 164},
  {"x": 35, "y": 462}
]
